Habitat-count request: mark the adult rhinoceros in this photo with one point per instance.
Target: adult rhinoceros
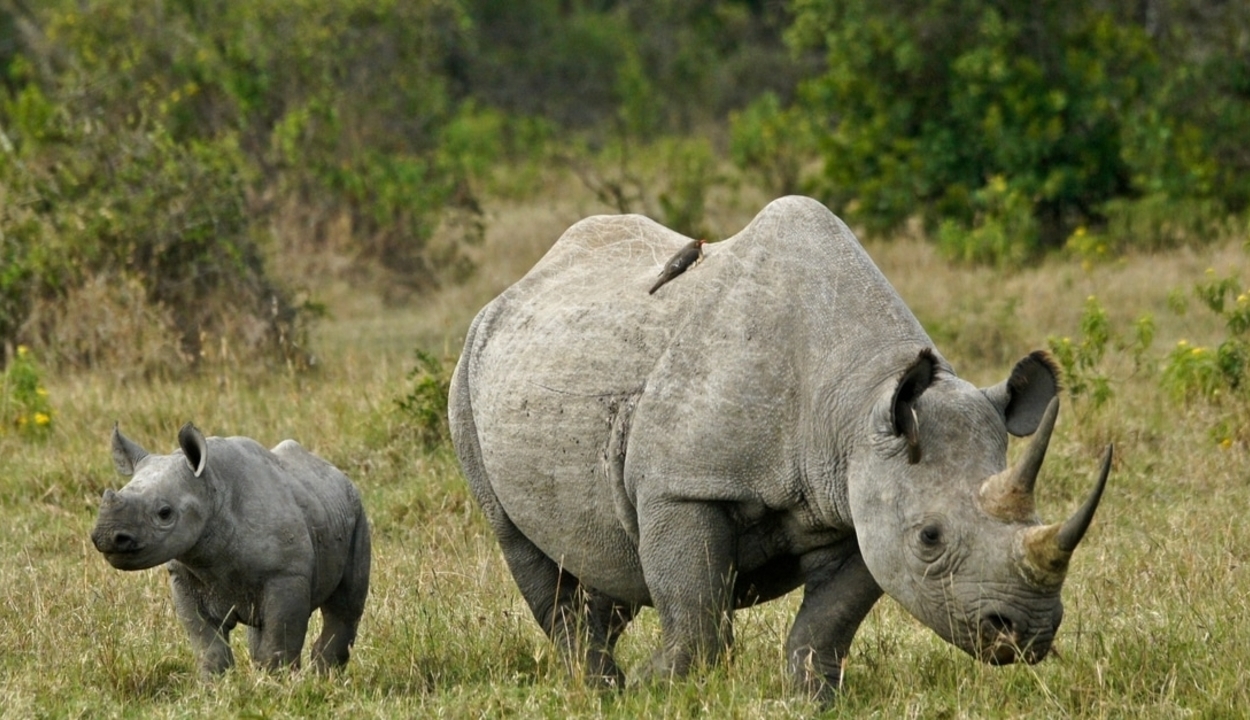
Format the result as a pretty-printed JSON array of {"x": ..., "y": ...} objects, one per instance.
[{"x": 774, "y": 417}]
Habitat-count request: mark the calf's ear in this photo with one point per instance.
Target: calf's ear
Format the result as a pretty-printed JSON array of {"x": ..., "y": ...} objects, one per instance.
[
  {"x": 194, "y": 447},
  {"x": 1022, "y": 398},
  {"x": 126, "y": 453}
]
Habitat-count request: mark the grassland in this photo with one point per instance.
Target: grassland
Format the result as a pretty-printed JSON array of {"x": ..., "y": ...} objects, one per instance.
[{"x": 1158, "y": 600}]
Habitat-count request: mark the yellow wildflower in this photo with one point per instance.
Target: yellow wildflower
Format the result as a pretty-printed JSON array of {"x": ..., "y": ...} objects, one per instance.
[
  {"x": 41, "y": 391},
  {"x": 22, "y": 350},
  {"x": 42, "y": 419},
  {"x": 1226, "y": 443}
]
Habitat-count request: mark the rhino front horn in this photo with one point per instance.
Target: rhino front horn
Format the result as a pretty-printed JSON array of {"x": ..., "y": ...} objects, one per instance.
[
  {"x": 1048, "y": 548},
  {"x": 1009, "y": 494}
]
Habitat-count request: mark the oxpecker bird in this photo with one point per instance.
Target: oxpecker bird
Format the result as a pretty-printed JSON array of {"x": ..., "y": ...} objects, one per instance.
[{"x": 690, "y": 254}]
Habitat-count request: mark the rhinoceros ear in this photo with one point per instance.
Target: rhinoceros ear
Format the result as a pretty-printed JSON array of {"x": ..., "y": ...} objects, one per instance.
[
  {"x": 194, "y": 447},
  {"x": 126, "y": 453},
  {"x": 915, "y": 380},
  {"x": 1023, "y": 397}
]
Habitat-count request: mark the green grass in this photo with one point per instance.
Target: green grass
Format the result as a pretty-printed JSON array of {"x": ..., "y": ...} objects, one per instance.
[{"x": 1158, "y": 599}]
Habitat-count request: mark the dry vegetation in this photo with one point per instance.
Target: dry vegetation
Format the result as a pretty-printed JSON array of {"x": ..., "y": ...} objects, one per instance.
[{"x": 1158, "y": 621}]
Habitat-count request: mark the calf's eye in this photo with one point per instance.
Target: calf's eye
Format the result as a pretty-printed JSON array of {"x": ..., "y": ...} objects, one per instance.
[{"x": 165, "y": 513}]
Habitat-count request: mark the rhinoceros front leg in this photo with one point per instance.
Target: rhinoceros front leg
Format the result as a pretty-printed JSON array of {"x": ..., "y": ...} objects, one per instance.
[
  {"x": 284, "y": 617},
  {"x": 209, "y": 635},
  {"x": 838, "y": 594},
  {"x": 686, "y": 549}
]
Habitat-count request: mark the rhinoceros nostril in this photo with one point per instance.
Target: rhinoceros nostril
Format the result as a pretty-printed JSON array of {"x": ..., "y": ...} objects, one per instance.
[
  {"x": 994, "y": 625},
  {"x": 123, "y": 542},
  {"x": 1000, "y": 643}
]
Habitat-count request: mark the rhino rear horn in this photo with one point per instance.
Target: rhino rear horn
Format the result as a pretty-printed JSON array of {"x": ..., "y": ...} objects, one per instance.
[
  {"x": 194, "y": 447},
  {"x": 126, "y": 453},
  {"x": 1009, "y": 494}
]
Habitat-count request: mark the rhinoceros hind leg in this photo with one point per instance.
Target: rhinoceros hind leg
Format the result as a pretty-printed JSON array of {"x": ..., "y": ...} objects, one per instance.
[
  {"x": 583, "y": 625},
  {"x": 340, "y": 614}
]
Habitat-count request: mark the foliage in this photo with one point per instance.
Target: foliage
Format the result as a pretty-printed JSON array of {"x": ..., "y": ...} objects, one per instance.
[
  {"x": 773, "y": 142},
  {"x": 1190, "y": 143},
  {"x": 1218, "y": 375},
  {"x": 24, "y": 406},
  {"x": 973, "y": 115},
  {"x": 662, "y": 66},
  {"x": 424, "y": 407},
  {"x": 690, "y": 168},
  {"x": 1003, "y": 230},
  {"x": 1084, "y": 373}
]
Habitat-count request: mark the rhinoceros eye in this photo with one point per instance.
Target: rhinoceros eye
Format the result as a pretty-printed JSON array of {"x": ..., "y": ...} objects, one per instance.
[
  {"x": 165, "y": 513},
  {"x": 931, "y": 535},
  {"x": 930, "y": 541}
]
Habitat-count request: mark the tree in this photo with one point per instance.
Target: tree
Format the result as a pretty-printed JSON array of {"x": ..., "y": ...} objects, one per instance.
[{"x": 962, "y": 110}]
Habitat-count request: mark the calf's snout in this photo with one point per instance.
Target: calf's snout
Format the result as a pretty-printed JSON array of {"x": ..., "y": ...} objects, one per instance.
[{"x": 113, "y": 541}]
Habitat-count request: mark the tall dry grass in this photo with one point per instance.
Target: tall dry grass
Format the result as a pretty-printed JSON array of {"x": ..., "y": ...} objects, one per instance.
[{"x": 1158, "y": 621}]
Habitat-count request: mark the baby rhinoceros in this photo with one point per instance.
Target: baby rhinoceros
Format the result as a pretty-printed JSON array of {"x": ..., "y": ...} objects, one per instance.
[{"x": 249, "y": 536}]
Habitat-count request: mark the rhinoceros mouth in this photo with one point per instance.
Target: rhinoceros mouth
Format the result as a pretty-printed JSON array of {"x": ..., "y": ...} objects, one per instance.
[
  {"x": 999, "y": 642},
  {"x": 130, "y": 559},
  {"x": 1008, "y": 650}
]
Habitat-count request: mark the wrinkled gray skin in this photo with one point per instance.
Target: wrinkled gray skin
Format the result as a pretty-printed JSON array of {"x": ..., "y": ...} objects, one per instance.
[
  {"x": 249, "y": 536},
  {"x": 777, "y": 418}
]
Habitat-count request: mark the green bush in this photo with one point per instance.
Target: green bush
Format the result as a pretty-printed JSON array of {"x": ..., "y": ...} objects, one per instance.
[
  {"x": 130, "y": 202},
  {"x": 1085, "y": 374},
  {"x": 424, "y": 407},
  {"x": 155, "y": 143},
  {"x": 24, "y": 406},
  {"x": 689, "y": 174},
  {"x": 1080, "y": 114},
  {"x": 1003, "y": 232},
  {"x": 772, "y": 142},
  {"x": 1219, "y": 374}
]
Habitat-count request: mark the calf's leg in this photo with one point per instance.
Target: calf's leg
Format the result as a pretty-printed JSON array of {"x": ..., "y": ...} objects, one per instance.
[
  {"x": 209, "y": 635},
  {"x": 341, "y": 612},
  {"x": 284, "y": 623}
]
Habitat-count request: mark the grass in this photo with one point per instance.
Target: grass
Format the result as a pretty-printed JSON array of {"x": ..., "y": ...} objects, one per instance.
[{"x": 1158, "y": 599}]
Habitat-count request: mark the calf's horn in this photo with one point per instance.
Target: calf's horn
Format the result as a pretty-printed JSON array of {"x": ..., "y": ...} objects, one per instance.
[
  {"x": 1047, "y": 549},
  {"x": 1009, "y": 494}
]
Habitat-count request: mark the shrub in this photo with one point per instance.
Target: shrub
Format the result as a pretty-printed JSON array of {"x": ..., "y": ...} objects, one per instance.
[
  {"x": 24, "y": 406},
  {"x": 1219, "y": 374},
  {"x": 1003, "y": 232},
  {"x": 1085, "y": 374},
  {"x": 772, "y": 142},
  {"x": 424, "y": 407}
]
